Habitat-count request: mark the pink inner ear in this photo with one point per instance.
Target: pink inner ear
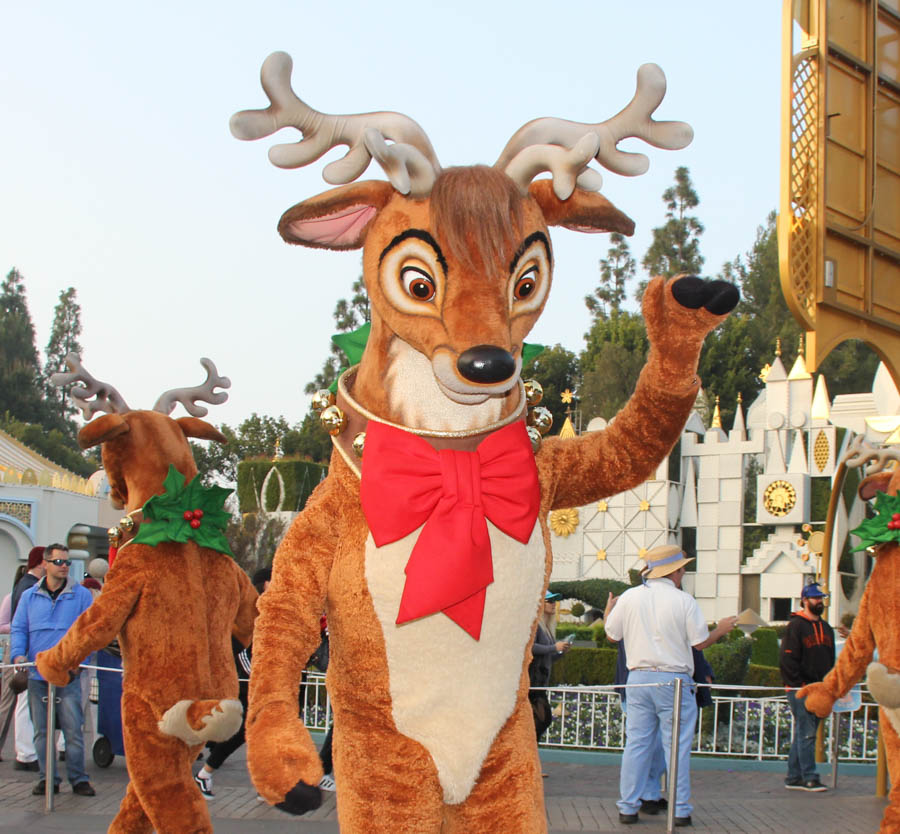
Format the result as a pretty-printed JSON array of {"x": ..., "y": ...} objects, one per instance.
[{"x": 343, "y": 228}]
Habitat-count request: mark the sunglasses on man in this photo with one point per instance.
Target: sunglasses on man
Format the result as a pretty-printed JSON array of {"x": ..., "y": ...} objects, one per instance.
[{"x": 59, "y": 562}]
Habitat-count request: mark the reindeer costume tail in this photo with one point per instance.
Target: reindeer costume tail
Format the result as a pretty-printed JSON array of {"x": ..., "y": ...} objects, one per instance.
[{"x": 196, "y": 722}]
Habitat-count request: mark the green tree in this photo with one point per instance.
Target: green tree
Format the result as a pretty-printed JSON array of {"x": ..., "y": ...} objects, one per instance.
[
  {"x": 615, "y": 351},
  {"x": 676, "y": 244},
  {"x": 616, "y": 270},
  {"x": 52, "y": 444},
  {"x": 349, "y": 314},
  {"x": 20, "y": 395},
  {"x": 63, "y": 340},
  {"x": 556, "y": 369}
]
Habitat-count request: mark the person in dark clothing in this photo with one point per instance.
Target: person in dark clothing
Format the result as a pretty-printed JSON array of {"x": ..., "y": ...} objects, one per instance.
[
  {"x": 243, "y": 659},
  {"x": 34, "y": 573},
  {"x": 545, "y": 650},
  {"x": 807, "y": 655}
]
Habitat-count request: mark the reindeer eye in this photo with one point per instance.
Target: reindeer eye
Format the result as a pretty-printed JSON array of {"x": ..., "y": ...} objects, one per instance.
[
  {"x": 418, "y": 284},
  {"x": 525, "y": 286}
]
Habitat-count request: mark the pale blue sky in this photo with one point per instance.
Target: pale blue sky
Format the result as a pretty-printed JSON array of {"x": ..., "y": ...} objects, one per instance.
[{"x": 119, "y": 176}]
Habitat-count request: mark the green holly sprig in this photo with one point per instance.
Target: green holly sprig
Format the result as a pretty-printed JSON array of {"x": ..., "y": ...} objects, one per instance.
[
  {"x": 884, "y": 527},
  {"x": 186, "y": 512}
]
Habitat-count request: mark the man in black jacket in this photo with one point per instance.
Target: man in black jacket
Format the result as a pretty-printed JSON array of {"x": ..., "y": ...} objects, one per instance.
[{"x": 807, "y": 655}]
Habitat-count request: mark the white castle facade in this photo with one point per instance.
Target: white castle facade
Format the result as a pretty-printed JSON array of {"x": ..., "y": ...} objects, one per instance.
[{"x": 751, "y": 550}]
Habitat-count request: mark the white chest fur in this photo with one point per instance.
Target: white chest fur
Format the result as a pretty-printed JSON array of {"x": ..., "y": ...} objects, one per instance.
[{"x": 449, "y": 692}]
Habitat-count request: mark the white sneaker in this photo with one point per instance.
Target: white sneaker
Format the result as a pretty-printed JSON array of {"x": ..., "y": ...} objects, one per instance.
[
  {"x": 326, "y": 783},
  {"x": 205, "y": 784}
]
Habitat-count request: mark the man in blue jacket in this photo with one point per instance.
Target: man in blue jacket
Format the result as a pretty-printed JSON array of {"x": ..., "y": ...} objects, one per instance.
[{"x": 43, "y": 616}]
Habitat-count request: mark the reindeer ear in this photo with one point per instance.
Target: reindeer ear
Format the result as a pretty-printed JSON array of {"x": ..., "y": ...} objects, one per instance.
[
  {"x": 584, "y": 211},
  {"x": 102, "y": 429},
  {"x": 337, "y": 219},
  {"x": 195, "y": 427},
  {"x": 876, "y": 483}
]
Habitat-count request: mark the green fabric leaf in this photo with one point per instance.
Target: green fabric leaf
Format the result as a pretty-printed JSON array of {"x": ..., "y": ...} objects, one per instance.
[
  {"x": 874, "y": 530},
  {"x": 530, "y": 351},
  {"x": 164, "y": 519},
  {"x": 354, "y": 343}
]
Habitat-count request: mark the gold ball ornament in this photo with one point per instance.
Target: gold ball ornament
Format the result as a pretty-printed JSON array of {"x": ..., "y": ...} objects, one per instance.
[
  {"x": 540, "y": 418},
  {"x": 534, "y": 392},
  {"x": 126, "y": 523},
  {"x": 333, "y": 420},
  {"x": 321, "y": 400},
  {"x": 535, "y": 437},
  {"x": 114, "y": 534},
  {"x": 359, "y": 443}
]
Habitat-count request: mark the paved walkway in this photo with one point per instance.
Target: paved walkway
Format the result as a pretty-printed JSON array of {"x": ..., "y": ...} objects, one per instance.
[{"x": 579, "y": 797}]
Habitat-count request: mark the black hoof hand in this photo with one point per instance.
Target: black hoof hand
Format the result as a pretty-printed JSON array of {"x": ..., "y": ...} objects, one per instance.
[
  {"x": 719, "y": 297},
  {"x": 300, "y": 799}
]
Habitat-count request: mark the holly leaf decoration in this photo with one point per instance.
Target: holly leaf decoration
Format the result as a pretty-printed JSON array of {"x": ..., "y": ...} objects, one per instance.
[
  {"x": 530, "y": 351},
  {"x": 874, "y": 531},
  {"x": 164, "y": 515}
]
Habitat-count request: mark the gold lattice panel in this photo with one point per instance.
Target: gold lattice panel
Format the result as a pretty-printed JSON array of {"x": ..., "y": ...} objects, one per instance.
[
  {"x": 804, "y": 193},
  {"x": 18, "y": 510},
  {"x": 821, "y": 451}
]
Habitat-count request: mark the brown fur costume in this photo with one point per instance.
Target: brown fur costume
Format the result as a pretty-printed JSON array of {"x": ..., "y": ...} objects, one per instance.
[
  {"x": 877, "y": 625},
  {"x": 432, "y": 727},
  {"x": 174, "y": 608}
]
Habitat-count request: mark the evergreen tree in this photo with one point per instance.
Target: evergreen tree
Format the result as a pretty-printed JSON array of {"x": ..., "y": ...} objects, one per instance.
[
  {"x": 676, "y": 244},
  {"x": 348, "y": 315},
  {"x": 63, "y": 341},
  {"x": 20, "y": 395},
  {"x": 616, "y": 270}
]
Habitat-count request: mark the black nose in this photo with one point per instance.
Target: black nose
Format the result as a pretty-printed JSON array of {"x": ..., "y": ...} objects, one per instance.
[{"x": 486, "y": 364}]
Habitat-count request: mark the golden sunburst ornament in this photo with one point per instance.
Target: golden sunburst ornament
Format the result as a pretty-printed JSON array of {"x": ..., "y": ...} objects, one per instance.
[
  {"x": 566, "y": 396},
  {"x": 564, "y": 522}
]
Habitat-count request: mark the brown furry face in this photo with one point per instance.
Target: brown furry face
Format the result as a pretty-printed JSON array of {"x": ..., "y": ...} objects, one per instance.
[{"x": 472, "y": 266}]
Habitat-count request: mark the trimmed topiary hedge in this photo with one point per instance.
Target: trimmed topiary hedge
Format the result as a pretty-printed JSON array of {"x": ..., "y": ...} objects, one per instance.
[
  {"x": 765, "y": 647},
  {"x": 729, "y": 660},
  {"x": 593, "y": 592},
  {"x": 300, "y": 478},
  {"x": 563, "y": 630},
  {"x": 590, "y": 667},
  {"x": 758, "y": 675}
]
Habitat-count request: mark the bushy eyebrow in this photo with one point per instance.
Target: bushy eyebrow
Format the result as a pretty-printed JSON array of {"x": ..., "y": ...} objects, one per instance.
[
  {"x": 532, "y": 238},
  {"x": 419, "y": 234}
]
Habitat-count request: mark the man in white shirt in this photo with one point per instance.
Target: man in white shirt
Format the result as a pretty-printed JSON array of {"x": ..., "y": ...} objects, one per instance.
[{"x": 659, "y": 624}]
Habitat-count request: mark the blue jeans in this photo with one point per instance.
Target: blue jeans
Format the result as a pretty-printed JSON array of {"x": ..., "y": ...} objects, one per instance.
[
  {"x": 69, "y": 717},
  {"x": 648, "y": 721},
  {"x": 802, "y": 758}
]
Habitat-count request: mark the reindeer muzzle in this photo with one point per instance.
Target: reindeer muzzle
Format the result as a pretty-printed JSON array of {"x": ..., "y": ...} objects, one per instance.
[{"x": 486, "y": 364}]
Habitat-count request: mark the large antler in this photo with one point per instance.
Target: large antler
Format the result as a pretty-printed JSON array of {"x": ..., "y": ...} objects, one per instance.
[
  {"x": 107, "y": 399},
  {"x": 561, "y": 146},
  {"x": 859, "y": 453},
  {"x": 410, "y": 162},
  {"x": 188, "y": 397}
]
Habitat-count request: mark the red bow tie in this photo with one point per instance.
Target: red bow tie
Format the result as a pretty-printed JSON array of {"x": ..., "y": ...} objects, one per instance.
[{"x": 406, "y": 483}]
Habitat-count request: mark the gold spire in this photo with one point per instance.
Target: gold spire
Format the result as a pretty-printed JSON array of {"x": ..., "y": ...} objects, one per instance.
[
  {"x": 778, "y": 346},
  {"x": 740, "y": 399},
  {"x": 717, "y": 416},
  {"x": 800, "y": 349},
  {"x": 567, "y": 430}
]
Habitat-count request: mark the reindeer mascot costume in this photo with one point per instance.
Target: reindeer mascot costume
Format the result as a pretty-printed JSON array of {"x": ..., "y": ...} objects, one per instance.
[
  {"x": 876, "y": 626},
  {"x": 428, "y": 542},
  {"x": 173, "y": 596}
]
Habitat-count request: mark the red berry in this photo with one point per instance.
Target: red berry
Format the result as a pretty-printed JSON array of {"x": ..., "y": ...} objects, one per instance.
[
  {"x": 195, "y": 523},
  {"x": 198, "y": 513},
  {"x": 188, "y": 515},
  {"x": 895, "y": 517}
]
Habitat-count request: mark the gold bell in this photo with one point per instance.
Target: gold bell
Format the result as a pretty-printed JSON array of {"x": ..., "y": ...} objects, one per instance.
[
  {"x": 333, "y": 420},
  {"x": 321, "y": 400},
  {"x": 126, "y": 523},
  {"x": 114, "y": 534},
  {"x": 534, "y": 392},
  {"x": 535, "y": 437},
  {"x": 540, "y": 418},
  {"x": 359, "y": 443}
]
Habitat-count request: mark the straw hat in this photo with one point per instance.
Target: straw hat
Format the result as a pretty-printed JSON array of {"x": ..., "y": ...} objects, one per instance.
[{"x": 661, "y": 561}]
